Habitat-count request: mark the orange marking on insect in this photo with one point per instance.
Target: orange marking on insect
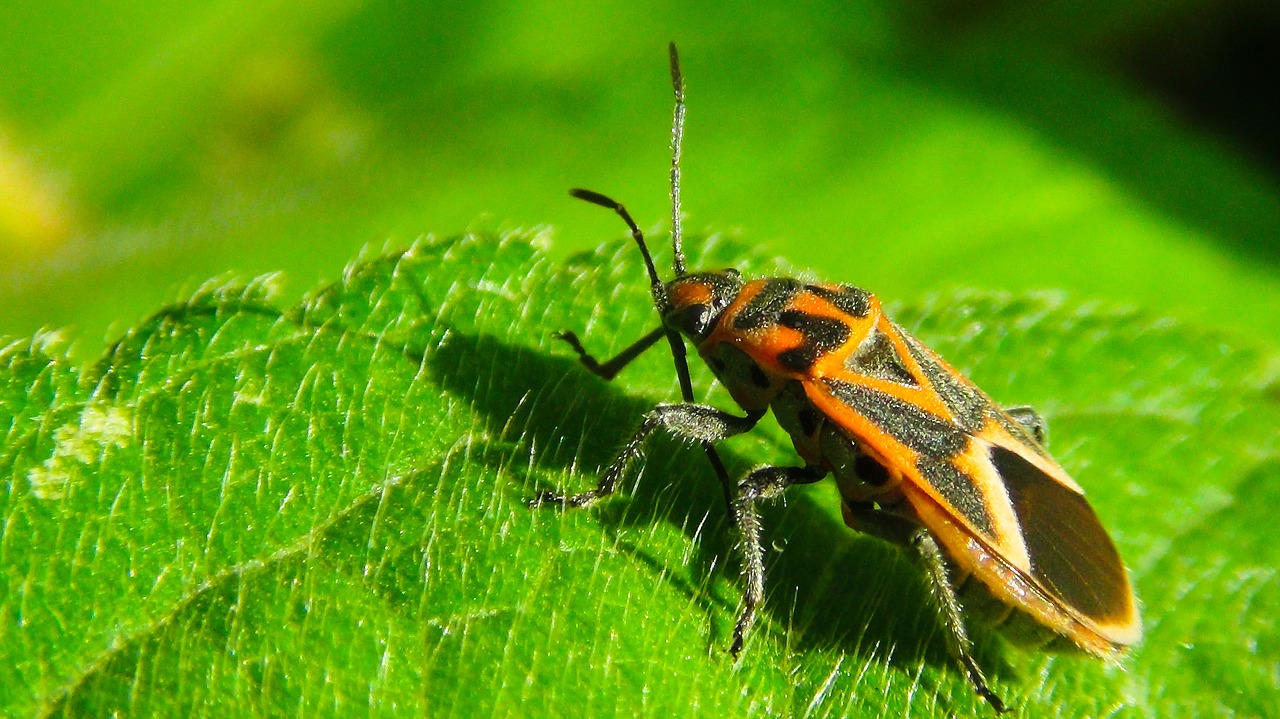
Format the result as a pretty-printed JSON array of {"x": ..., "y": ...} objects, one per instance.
[
  {"x": 925, "y": 396},
  {"x": 687, "y": 294}
]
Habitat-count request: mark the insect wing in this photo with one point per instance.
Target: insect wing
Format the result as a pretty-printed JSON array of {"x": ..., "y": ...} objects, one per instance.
[{"x": 1004, "y": 510}]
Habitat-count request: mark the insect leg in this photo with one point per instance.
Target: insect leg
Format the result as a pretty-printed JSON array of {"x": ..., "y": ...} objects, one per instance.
[
  {"x": 864, "y": 517},
  {"x": 930, "y": 556},
  {"x": 763, "y": 483},
  {"x": 924, "y": 550},
  {"x": 688, "y": 421},
  {"x": 1029, "y": 418},
  {"x": 610, "y": 369}
]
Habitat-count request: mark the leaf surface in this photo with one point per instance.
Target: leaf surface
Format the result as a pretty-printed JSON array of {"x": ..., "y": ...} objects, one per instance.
[{"x": 246, "y": 509}]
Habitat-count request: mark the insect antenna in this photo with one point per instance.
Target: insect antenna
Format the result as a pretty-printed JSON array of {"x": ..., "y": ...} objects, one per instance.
[
  {"x": 677, "y": 138},
  {"x": 595, "y": 198},
  {"x": 656, "y": 286}
]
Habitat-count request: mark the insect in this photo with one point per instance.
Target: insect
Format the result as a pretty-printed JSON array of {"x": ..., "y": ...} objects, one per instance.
[{"x": 922, "y": 458}]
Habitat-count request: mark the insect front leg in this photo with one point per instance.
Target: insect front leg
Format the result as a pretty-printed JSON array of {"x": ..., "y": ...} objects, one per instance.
[
  {"x": 610, "y": 368},
  {"x": 696, "y": 422},
  {"x": 761, "y": 484},
  {"x": 925, "y": 551}
]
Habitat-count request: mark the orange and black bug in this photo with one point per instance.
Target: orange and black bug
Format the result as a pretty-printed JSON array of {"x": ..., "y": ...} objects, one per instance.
[{"x": 922, "y": 458}]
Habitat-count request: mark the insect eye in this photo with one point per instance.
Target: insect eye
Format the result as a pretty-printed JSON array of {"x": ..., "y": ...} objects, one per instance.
[
  {"x": 692, "y": 304},
  {"x": 693, "y": 320}
]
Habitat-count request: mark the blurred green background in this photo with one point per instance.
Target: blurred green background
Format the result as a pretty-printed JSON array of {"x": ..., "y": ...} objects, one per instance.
[{"x": 1123, "y": 151}]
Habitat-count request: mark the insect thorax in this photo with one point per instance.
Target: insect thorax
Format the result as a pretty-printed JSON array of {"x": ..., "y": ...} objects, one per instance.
[{"x": 766, "y": 339}]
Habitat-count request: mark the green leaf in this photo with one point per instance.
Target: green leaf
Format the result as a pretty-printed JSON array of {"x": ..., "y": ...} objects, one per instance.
[{"x": 243, "y": 509}]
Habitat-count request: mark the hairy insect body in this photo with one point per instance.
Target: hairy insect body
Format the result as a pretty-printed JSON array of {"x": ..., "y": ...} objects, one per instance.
[
  {"x": 907, "y": 437},
  {"x": 922, "y": 458}
]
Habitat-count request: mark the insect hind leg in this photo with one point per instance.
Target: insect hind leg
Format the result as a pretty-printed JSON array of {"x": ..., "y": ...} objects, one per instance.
[
  {"x": 926, "y": 550},
  {"x": 922, "y": 548}
]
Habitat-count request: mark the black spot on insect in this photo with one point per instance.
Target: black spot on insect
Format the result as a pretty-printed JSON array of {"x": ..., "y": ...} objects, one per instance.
[
  {"x": 820, "y": 336},
  {"x": 846, "y": 298},
  {"x": 877, "y": 357},
  {"x": 716, "y": 364},
  {"x": 810, "y": 420},
  {"x": 871, "y": 471},
  {"x": 800, "y": 359},
  {"x": 763, "y": 309},
  {"x": 758, "y": 377}
]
